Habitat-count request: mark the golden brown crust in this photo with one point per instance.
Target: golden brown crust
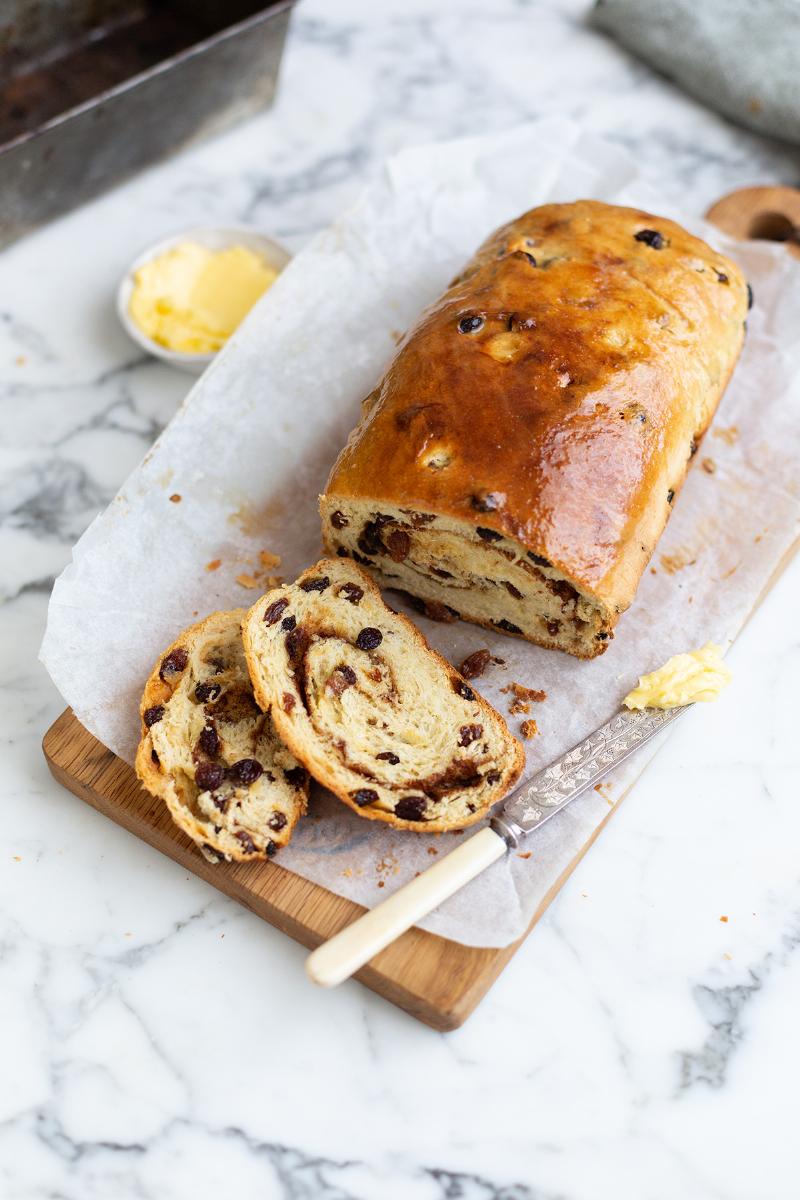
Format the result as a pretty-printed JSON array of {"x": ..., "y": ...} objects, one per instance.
[
  {"x": 274, "y": 678},
  {"x": 567, "y": 419},
  {"x": 159, "y": 690}
]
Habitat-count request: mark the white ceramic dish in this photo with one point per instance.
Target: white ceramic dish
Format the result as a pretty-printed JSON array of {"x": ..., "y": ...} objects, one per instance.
[{"x": 216, "y": 238}]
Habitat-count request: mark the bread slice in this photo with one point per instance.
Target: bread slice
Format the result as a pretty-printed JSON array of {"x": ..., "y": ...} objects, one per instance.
[
  {"x": 211, "y": 753},
  {"x": 373, "y": 713}
]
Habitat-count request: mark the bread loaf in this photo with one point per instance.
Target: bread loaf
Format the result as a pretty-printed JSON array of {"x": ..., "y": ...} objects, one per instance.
[
  {"x": 372, "y": 712},
  {"x": 520, "y": 458},
  {"x": 211, "y": 753}
]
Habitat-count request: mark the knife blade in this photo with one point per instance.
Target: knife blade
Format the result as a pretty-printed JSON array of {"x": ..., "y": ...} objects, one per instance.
[{"x": 547, "y": 793}]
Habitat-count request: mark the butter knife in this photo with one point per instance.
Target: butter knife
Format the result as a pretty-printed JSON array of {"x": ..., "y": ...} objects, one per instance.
[{"x": 522, "y": 813}]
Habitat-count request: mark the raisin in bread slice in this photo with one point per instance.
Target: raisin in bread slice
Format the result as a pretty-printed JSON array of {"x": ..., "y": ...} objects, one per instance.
[
  {"x": 373, "y": 713},
  {"x": 211, "y": 753}
]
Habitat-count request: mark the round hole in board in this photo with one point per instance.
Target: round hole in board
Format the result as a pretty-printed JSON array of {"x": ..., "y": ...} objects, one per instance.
[{"x": 773, "y": 227}]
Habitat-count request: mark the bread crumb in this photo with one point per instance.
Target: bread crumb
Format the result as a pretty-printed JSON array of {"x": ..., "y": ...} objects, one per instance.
[
  {"x": 269, "y": 560},
  {"x": 381, "y": 883},
  {"x": 432, "y": 850},
  {"x": 525, "y": 693},
  {"x": 728, "y": 956},
  {"x": 20, "y": 360},
  {"x": 518, "y": 706},
  {"x": 527, "y": 854},
  {"x": 709, "y": 466},
  {"x": 348, "y": 872},
  {"x": 273, "y": 581},
  {"x": 247, "y": 581},
  {"x": 729, "y": 435},
  {"x": 724, "y": 920},
  {"x": 176, "y": 497},
  {"x": 17, "y": 858},
  {"x": 529, "y": 729},
  {"x": 214, "y": 565}
]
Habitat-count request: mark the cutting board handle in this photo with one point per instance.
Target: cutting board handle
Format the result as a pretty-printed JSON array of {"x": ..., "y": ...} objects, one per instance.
[{"x": 769, "y": 214}]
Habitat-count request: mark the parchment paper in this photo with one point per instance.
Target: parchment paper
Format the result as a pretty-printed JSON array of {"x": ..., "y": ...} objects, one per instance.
[{"x": 250, "y": 449}]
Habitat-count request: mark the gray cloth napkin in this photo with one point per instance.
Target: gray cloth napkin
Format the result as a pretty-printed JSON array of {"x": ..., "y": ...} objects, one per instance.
[{"x": 741, "y": 57}]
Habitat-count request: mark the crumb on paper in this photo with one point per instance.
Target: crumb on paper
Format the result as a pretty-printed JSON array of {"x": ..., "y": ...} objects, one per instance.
[
  {"x": 518, "y": 706},
  {"x": 728, "y": 434},
  {"x": 653, "y": 571},
  {"x": 214, "y": 565},
  {"x": 732, "y": 571},
  {"x": 269, "y": 560},
  {"x": 176, "y": 497},
  {"x": 728, "y": 956},
  {"x": 529, "y": 729},
  {"x": 672, "y": 563},
  {"x": 432, "y": 850},
  {"x": 525, "y": 693},
  {"x": 348, "y": 872},
  {"x": 20, "y": 360},
  {"x": 709, "y": 466},
  {"x": 381, "y": 883},
  {"x": 525, "y": 854},
  {"x": 724, "y": 920},
  {"x": 247, "y": 581},
  {"x": 17, "y": 858}
]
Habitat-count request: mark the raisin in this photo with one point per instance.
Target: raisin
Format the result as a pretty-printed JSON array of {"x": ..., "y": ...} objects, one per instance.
[
  {"x": 515, "y": 592},
  {"x": 341, "y": 552},
  {"x": 369, "y": 638},
  {"x": 275, "y": 609},
  {"x": 220, "y": 802},
  {"x": 288, "y": 623},
  {"x": 245, "y": 771},
  {"x": 208, "y": 741},
  {"x": 296, "y": 776},
  {"x": 277, "y": 821},
  {"x": 154, "y": 714},
  {"x": 442, "y": 574},
  {"x": 749, "y": 297},
  {"x": 316, "y": 585},
  {"x": 470, "y": 324},
  {"x": 364, "y": 796},
  {"x": 693, "y": 447},
  {"x": 270, "y": 849},
  {"x": 359, "y": 558},
  {"x": 493, "y": 777},
  {"x": 553, "y": 628},
  {"x": 524, "y": 254},
  {"x": 288, "y": 702},
  {"x": 539, "y": 559},
  {"x": 154, "y": 757},
  {"x": 207, "y": 691},
  {"x": 411, "y": 808},
  {"x": 485, "y": 501},
  {"x": 670, "y": 495},
  {"x": 297, "y": 642},
  {"x": 247, "y": 842},
  {"x": 469, "y": 733},
  {"x": 352, "y": 592},
  {"x": 722, "y": 277},
  {"x": 435, "y": 610},
  {"x": 462, "y": 689},
  {"x": 340, "y": 679},
  {"x": 651, "y": 237},
  {"x": 339, "y": 520},
  {"x": 398, "y": 543},
  {"x": 209, "y": 776},
  {"x": 509, "y": 626},
  {"x": 370, "y": 540},
  {"x": 212, "y": 852},
  {"x": 488, "y": 535},
  {"x": 174, "y": 663},
  {"x": 387, "y": 756},
  {"x": 475, "y": 664},
  {"x": 601, "y": 637}
]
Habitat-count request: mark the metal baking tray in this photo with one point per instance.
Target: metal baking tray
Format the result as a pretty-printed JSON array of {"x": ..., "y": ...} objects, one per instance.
[{"x": 93, "y": 90}]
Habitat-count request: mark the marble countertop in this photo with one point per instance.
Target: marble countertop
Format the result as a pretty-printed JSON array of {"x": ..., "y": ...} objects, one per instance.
[{"x": 159, "y": 1042}]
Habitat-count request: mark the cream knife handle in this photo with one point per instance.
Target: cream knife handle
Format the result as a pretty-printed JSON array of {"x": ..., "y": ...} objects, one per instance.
[{"x": 338, "y": 959}]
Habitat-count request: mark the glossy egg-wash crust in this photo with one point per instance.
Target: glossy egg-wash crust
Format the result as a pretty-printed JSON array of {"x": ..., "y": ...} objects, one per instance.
[{"x": 557, "y": 391}]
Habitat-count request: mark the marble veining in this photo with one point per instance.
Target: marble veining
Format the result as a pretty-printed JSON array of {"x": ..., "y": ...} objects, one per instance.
[{"x": 158, "y": 1042}]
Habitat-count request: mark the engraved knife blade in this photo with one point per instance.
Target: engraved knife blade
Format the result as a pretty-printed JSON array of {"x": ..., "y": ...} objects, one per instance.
[{"x": 552, "y": 788}]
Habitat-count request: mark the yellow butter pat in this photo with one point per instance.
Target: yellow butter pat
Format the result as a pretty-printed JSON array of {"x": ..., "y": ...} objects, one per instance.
[
  {"x": 192, "y": 298},
  {"x": 686, "y": 678}
]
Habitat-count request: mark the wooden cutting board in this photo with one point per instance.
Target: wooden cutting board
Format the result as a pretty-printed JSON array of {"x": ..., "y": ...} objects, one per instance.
[{"x": 435, "y": 980}]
